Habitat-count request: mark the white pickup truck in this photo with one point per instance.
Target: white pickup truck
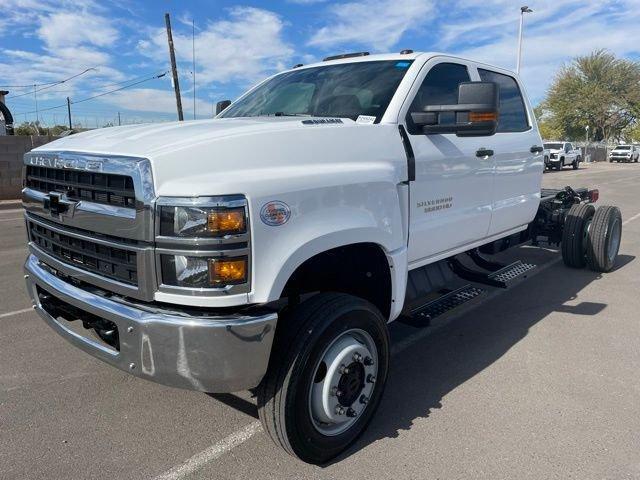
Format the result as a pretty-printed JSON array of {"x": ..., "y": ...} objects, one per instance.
[
  {"x": 561, "y": 154},
  {"x": 269, "y": 248}
]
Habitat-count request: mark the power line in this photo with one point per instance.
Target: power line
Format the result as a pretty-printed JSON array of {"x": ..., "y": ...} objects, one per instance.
[
  {"x": 46, "y": 85},
  {"x": 96, "y": 96}
]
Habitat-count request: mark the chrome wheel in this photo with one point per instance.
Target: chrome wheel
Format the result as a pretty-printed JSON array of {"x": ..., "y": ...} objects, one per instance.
[{"x": 343, "y": 382}]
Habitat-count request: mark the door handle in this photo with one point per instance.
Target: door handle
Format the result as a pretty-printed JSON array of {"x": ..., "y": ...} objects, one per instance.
[
  {"x": 536, "y": 149},
  {"x": 484, "y": 152}
]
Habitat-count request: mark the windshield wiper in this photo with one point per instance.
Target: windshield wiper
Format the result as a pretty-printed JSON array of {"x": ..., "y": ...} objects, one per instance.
[{"x": 287, "y": 114}]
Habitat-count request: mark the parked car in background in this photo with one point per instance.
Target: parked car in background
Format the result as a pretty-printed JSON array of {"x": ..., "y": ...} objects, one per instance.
[
  {"x": 561, "y": 154},
  {"x": 624, "y": 153}
]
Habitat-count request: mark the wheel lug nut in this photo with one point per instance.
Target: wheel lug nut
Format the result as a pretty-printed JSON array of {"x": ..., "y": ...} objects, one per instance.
[
  {"x": 368, "y": 361},
  {"x": 352, "y": 413},
  {"x": 344, "y": 370},
  {"x": 339, "y": 410},
  {"x": 357, "y": 357},
  {"x": 371, "y": 378},
  {"x": 336, "y": 392},
  {"x": 364, "y": 399}
]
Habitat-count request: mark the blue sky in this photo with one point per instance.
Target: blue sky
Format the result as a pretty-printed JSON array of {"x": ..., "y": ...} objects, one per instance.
[{"x": 239, "y": 43}]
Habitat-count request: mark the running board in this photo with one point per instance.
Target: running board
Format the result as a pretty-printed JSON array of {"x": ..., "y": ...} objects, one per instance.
[
  {"x": 499, "y": 275},
  {"x": 422, "y": 316}
]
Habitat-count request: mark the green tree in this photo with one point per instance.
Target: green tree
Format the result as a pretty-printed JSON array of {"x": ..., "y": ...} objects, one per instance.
[{"x": 599, "y": 90}]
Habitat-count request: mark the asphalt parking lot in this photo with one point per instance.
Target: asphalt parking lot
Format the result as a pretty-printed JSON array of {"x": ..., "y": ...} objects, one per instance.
[{"x": 538, "y": 381}]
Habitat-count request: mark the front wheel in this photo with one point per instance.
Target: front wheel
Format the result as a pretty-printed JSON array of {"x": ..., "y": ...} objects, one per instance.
[{"x": 326, "y": 376}]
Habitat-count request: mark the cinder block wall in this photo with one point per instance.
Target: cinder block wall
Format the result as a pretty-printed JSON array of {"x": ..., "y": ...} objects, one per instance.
[{"x": 12, "y": 148}]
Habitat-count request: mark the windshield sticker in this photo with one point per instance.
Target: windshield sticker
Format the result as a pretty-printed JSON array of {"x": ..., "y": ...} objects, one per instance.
[
  {"x": 365, "y": 119},
  {"x": 320, "y": 121},
  {"x": 403, "y": 64}
]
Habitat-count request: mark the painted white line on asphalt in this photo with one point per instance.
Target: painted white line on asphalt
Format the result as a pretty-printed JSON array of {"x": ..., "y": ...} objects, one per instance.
[
  {"x": 214, "y": 451},
  {"x": 17, "y": 312},
  {"x": 629, "y": 220},
  {"x": 13, "y": 210},
  {"x": 11, "y": 219}
]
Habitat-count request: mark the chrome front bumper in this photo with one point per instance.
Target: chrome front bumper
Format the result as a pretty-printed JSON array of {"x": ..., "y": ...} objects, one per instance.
[{"x": 208, "y": 354}]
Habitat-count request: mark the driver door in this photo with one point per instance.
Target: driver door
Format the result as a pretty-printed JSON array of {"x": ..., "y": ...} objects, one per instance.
[{"x": 450, "y": 201}]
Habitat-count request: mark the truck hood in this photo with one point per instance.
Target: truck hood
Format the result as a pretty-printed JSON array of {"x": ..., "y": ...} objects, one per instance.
[
  {"x": 621, "y": 152},
  {"x": 250, "y": 155},
  {"x": 151, "y": 139}
]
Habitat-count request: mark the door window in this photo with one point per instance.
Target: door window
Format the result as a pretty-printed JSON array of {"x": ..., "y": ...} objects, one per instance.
[
  {"x": 513, "y": 114},
  {"x": 439, "y": 87}
]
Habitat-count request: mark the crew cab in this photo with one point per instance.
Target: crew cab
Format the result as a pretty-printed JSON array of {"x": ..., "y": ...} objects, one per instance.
[
  {"x": 561, "y": 154},
  {"x": 624, "y": 153},
  {"x": 270, "y": 247}
]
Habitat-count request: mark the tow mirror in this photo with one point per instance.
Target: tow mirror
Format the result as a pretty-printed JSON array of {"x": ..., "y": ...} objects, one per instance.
[
  {"x": 220, "y": 106},
  {"x": 476, "y": 113}
]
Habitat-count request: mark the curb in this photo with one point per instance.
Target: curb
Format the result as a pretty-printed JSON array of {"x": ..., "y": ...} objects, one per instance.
[{"x": 10, "y": 204}]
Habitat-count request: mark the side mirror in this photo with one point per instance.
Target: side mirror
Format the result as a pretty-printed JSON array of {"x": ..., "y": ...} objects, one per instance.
[
  {"x": 220, "y": 106},
  {"x": 476, "y": 113}
]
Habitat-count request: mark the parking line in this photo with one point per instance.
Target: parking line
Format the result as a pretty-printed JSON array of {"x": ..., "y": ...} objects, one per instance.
[
  {"x": 11, "y": 219},
  {"x": 629, "y": 220},
  {"x": 214, "y": 451},
  {"x": 16, "y": 312}
]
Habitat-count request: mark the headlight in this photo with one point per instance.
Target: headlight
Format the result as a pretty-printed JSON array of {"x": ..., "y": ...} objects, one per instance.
[
  {"x": 202, "y": 243},
  {"x": 203, "y": 272},
  {"x": 197, "y": 221}
]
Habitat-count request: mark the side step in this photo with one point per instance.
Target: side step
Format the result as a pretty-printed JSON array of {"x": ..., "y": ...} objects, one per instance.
[
  {"x": 498, "y": 275},
  {"x": 422, "y": 316}
]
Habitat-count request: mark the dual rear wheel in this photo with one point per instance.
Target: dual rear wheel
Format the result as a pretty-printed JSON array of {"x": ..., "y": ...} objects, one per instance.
[{"x": 591, "y": 237}]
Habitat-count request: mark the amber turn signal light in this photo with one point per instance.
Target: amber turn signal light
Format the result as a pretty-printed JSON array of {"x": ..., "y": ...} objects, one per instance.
[
  {"x": 227, "y": 271},
  {"x": 483, "y": 117},
  {"x": 230, "y": 220}
]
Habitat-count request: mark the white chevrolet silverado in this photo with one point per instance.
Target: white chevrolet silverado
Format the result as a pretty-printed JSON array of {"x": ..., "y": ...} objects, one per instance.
[
  {"x": 561, "y": 154},
  {"x": 270, "y": 247}
]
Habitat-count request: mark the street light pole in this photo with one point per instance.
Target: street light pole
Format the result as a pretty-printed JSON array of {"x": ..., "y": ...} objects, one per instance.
[
  {"x": 523, "y": 10},
  {"x": 586, "y": 142}
]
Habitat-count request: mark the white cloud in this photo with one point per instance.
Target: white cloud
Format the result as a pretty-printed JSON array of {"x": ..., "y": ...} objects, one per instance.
[
  {"x": 69, "y": 29},
  {"x": 556, "y": 32},
  {"x": 245, "y": 47},
  {"x": 157, "y": 101},
  {"x": 379, "y": 24}
]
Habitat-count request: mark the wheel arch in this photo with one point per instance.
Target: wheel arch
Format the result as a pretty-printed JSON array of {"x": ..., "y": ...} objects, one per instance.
[{"x": 369, "y": 270}]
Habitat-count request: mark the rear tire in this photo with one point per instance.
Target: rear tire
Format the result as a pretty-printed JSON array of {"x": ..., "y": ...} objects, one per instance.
[
  {"x": 574, "y": 235},
  {"x": 297, "y": 400},
  {"x": 603, "y": 240}
]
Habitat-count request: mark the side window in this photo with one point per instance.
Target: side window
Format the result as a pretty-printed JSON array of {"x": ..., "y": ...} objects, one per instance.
[
  {"x": 513, "y": 114},
  {"x": 439, "y": 87}
]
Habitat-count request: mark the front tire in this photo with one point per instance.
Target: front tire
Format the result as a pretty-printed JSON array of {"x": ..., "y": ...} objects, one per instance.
[
  {"x": 326, "y": 376},
  {"x": 576, "y": 163},
  {"x": 574, "y": 235},
  {"x": 603, "y": 241}
]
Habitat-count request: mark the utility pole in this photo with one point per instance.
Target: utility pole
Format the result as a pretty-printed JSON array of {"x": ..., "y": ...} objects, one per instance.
[
  {"x": 69, "y": 112},
  {"x": 35, "y": 94},
  {"x": 523, "y": 10},
  {"x": 174, "y": 69},
  {"x": 119, "y": 122}
]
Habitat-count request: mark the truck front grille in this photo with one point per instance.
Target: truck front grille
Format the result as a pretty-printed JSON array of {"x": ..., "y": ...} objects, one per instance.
[
  {"x": 108, "y": 261},
  {"x": 105, "y": 188}
]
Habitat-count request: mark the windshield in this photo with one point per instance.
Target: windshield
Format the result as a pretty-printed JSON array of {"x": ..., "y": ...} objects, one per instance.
[
  {"x": 553, "y": 146},
  {"x": 345, "y": 90},
  {"x": 623, "y": 147}
]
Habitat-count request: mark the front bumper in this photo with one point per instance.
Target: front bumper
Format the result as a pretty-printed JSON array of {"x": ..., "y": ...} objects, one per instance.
[{"x": 209, "y": 354}]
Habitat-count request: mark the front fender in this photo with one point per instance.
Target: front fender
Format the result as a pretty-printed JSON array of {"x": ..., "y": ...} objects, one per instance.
[{"x": 323, "y": 219}]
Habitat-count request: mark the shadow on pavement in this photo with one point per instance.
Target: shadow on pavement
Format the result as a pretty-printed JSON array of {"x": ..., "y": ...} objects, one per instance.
[{"x": 434, "y": 366}]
